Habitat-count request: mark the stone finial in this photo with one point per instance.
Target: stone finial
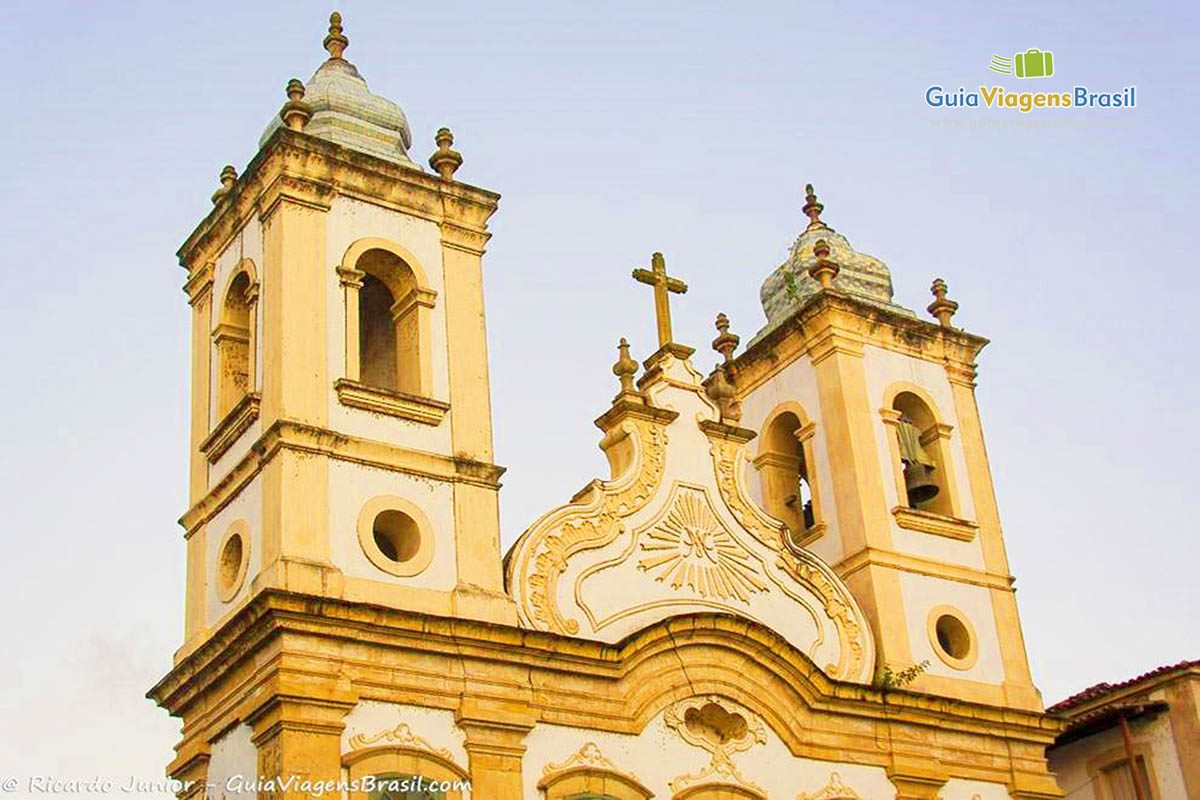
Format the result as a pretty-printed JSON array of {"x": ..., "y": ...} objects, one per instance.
[
  {"x": 941, "y": 308},
  {"x": 719, "y": 386},
  {"x": 812, "y": 208},
  {"x": 228, "y": 178},
  {"x": 625, "y": 368},
  {"x": 445, "y": 160},
  {"x": 295, "y": 112},
  {"x": 823, "y": 270},
  {"x": 726, "y": 342},
  {"x": 336, "y": 42}
]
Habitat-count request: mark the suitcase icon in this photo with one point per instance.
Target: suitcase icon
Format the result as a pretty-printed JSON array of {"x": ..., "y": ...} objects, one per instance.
[{"x": 1034, "y": 63}]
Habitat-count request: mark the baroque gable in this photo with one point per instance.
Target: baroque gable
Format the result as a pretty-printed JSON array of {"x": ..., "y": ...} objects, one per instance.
[{"x": 674, "y": 532}]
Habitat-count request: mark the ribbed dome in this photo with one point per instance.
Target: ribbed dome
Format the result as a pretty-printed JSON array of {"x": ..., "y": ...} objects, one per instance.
[
  {"x": 345, "y": 112},
  {"x": 862, "y": 276}
]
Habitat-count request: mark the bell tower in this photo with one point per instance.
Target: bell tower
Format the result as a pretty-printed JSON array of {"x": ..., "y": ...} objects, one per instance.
[
  {"x": 870, "y": 448},
  {"x": 341, "y": 440}
]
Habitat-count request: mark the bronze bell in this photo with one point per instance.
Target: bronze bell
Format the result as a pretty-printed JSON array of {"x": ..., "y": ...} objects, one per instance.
[{"x": 919, "y": 483}]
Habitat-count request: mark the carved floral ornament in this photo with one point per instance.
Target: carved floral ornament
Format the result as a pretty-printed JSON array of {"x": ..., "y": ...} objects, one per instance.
[
  {"x": 722, "y": 728},
  {"x": 400, "y": 736},
  {"x": 588, "y": 760},
  {"x": 834, "y": 790}
]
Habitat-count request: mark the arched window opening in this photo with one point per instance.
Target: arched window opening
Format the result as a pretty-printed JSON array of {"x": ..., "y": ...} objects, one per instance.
[
  {"x": 391, "y": 328},
  {"x": 233, "y": 345},
  {"x": 377, "y": 334},
  {"x": 921, "y": 455},
  {"x": 786, "y": 469}
]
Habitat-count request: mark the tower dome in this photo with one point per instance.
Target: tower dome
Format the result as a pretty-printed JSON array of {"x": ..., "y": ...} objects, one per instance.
[
  {"x": 344, "y": 110},
  {"x": 863, "y": 276}
]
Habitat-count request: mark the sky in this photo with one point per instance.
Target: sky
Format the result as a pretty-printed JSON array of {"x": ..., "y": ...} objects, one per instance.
[{"x": 612, "y": 130}]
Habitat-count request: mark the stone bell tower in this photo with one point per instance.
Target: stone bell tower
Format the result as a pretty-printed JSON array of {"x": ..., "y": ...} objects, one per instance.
[
  {"x": 870, "y": 448},
  {"x": 341, "y": 438}
]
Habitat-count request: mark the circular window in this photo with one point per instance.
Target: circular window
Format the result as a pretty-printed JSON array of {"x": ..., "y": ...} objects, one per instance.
[
  {"x": 395, "y": 536},
  {"x": 952, "y": 637},
  {"x": 233, "y": 557}
]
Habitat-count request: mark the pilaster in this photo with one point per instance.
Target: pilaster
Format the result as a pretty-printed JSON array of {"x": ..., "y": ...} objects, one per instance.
[
  {"x": 298, "y": 738},
  {"x": 495, "y": 745}
]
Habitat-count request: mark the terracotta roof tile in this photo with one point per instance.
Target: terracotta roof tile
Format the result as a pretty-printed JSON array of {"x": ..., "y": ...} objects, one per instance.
[{"x": 1101, "y": 689}]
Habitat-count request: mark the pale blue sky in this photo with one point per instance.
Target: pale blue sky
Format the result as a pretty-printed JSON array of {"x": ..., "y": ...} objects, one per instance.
[{"x": 612, "y": 130}]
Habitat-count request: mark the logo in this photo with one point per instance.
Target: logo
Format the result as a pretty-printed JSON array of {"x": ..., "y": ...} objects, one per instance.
[{"x": 1033, "y": 63}]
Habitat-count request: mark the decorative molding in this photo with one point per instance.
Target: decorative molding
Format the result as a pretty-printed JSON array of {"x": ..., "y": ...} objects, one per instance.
[
  {"x": 834, "y": 790},
  {"x": 425, "y": 298},
  {"x": 690, "y": 547},
  {"x": 228, "y": 430},
  {"x": 587, "y": 756},
  {"x": 588, "y": 759},
  {"x": 592, "y": 522},
  {"x": 200, "y": 282},
  {"x": 400, "y": 736},
  {"x": 298, "y": 437},
  {"x": 915, "y": 519},
  {"x": 350, "y": 277},
  {"x": 694, "y": 714},
  {"x": 836, "y": 600},
  {"x": 414, "y": 408},
  {"x": 721, "y": 728}
]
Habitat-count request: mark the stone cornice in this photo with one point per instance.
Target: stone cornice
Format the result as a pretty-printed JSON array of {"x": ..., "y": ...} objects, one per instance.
[
  {"x": 293, "y": 625},
  {"x": 832, "y": 321},
  {"x": 294, "y": 167}
]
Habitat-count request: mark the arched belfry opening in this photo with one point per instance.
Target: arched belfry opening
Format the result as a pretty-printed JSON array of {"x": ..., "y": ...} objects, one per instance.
[
  {"x": 922, "y": 459},
  {"x": 232, "y": 340},
  {"x": 377, "y": 334},
  {"x": 786, "y": 466},
  {"x": 392, "y": 322}
]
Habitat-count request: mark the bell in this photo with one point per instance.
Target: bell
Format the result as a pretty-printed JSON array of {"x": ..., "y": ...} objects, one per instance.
[{"x": 919, "y": 483}]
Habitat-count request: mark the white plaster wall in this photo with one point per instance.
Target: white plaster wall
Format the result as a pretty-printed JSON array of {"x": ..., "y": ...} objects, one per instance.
[
  {"x": 348, "y": 221},
  {"x": 233, "y": 764},
  {"x": 658, "y": 755},
  {"x": 797, "y": 382},
  {"x": 352, "y": 485},
  {"x": 1070, "y": 762},
  {"x": 921, "y": 593},
  {"x": 246, "y": 505},
  {"x": 884, "y": 368}
]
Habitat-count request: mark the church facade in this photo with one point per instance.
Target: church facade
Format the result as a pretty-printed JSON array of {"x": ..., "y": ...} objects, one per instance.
[{"x": 793, "y": 583}]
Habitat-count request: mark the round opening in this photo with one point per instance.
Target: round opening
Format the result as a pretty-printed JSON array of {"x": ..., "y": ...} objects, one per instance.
[
  {"x": 230, "y": 566},
  {"x": 396, "y": 535},
  {"x": 953, "y": 637}
]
